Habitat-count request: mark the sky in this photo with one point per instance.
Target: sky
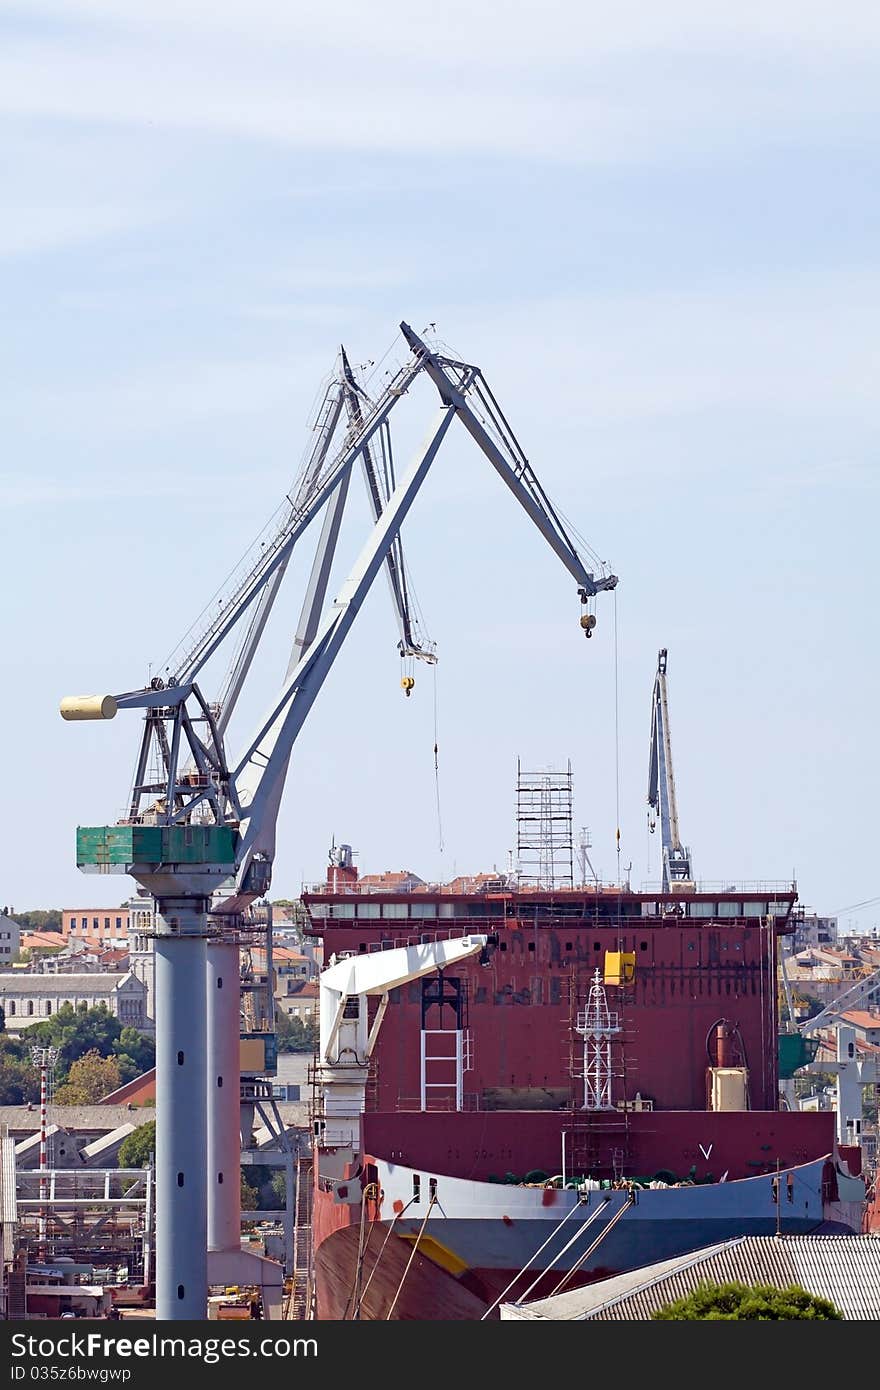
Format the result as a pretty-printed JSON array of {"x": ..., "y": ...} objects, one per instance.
[{"x": 655, "y": 230}]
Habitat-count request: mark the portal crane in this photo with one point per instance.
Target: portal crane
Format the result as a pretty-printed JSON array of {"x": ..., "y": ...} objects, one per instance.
[
  {"x": 199, "y": 836},
  {"x": 661, "y": 786}
]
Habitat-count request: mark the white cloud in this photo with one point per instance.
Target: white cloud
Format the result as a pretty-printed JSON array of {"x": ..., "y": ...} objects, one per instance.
[
  {"x": 16, "y": 491},
  {"x": 577, "y": 84},
  {"x": 138, "y": 402},
  {"x": 532, "y": 30},
  {"x": 31, "y": 230}
]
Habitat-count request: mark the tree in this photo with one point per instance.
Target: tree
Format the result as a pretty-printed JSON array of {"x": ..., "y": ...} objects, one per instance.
[
  {"x": 135, "y": 1052},
  {"x": 295, "y": 1036},
  {"x": 39, "y": 920},
  {"x": 90, "y": 1079},
  {"x": 250, "y": 1197},
  {"x": 136, "y": 1148},
  {"x": 279, "y": 1188},
  {"x": 735, "y": 1301},
  {"x": 19, "y": 1079},
  {"x": 77, "y": 1031}
]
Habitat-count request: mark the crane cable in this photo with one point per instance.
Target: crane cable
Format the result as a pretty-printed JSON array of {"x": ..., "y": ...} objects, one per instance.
[
  {"x": 630, "y": 1202},
  {"x": 556, "y": 1229},
  {"x": 437, "y": 768},
  {"x": 354, "y": 1298},
  {"x": 388, "y": 1234},
  {"x": 616, "y": 740},
  {"x": 412, "y": 1256}
]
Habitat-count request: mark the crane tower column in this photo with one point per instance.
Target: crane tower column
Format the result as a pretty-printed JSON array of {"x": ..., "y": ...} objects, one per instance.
[
  {"x": 224, "y": 1138},
  {"x": 181, "y": 1083}
]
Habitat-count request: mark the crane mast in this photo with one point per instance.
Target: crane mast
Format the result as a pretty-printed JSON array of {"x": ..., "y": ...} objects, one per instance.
[
  {"x": 661, "y": 786},
  {"x": 199, "y": 833}
]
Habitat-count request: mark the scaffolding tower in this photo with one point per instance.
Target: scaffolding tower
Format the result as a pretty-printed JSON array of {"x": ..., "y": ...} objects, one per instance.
[{"x": 544, "y": 836}]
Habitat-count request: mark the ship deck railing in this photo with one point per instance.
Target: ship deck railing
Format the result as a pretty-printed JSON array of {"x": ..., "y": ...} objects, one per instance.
[{"x": 484, "y": 888}]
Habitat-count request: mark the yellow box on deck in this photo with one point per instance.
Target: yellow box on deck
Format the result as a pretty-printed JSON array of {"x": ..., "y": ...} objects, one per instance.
[{"x": 620, "y": 967}]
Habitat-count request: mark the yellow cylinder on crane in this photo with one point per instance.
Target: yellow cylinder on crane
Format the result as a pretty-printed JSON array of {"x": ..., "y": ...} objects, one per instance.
[{"x": 88, "y": 707}]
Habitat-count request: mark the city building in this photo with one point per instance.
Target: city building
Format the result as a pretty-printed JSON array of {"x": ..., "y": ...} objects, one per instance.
[
  {"x": 140, "y": 948},
  {"x": 10, "y": 937},
  {"x": 27, "y": 997},
  {"x": 811, "y": 930},
  {"x": 108, "y": 925},
  {"x": 299, "y": 1000}
]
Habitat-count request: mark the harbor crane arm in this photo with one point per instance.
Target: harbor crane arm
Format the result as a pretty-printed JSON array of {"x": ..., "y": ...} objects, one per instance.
[
  {"x": 328, "y": 419},
  {"x": 661, "y": 784},
  {"x": 243, "y": 797},
  {"x": 850, "y": 997},
  {"x": 455, "y": 382},
  {"x": 260, "y": 564},
  {"x": 261, "y": 769},
  {"x": 380, "y": 487}
]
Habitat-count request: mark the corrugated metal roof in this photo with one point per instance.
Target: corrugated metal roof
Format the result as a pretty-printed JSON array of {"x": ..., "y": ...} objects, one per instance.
[
  {"x": 845, "y": 1269},
  {"x": 849, "y": 1269}
]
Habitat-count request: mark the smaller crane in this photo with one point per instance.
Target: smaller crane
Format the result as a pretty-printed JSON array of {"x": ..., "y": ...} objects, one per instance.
[{"x": 661, "y": 786}]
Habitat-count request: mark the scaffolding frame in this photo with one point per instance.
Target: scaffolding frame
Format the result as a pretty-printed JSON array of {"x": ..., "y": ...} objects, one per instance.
[{"x": 544, "y": 833}]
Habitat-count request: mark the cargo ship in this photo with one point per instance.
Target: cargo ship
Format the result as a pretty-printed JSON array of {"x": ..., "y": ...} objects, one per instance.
[{"x": 521, "y": 1089}]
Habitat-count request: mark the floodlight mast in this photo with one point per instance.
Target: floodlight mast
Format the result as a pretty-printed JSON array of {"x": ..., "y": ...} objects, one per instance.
[{"x": 200, "y": 833}]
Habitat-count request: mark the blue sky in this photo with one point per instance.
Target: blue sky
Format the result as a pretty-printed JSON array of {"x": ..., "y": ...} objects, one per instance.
[{"x": 654, "y": 229}]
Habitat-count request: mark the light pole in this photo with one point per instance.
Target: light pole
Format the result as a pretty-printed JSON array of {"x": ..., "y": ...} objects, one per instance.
[{"x": 44, "y": 1058}]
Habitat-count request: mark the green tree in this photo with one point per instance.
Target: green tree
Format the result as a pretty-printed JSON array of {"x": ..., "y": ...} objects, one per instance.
[
  {"x": 135, "y": 1053},
  {"x": 78, "y": 1031},
  {"x": 295, "y": 1036},
  {"x": 250, "y": 1197},
  {"x": 734, "y": 1301},
  {"x": 136, "y": 1148},
  {"x": 90, "y": 1079},
  {"x": 279, "y": 1188},
  {"x": 19, "y": 1079},
  {"x": 39, "y": 920}
]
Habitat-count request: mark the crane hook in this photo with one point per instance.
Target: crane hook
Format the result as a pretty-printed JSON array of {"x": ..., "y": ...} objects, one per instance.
[
  {"x": 588, "y": 622},
  {"x": 407, "y": 683}
]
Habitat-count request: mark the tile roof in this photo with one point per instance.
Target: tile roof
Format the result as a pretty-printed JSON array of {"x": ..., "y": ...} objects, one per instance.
[
  {"x": 862, "y": 1018},
  {"x": 98, "y": 982}
]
